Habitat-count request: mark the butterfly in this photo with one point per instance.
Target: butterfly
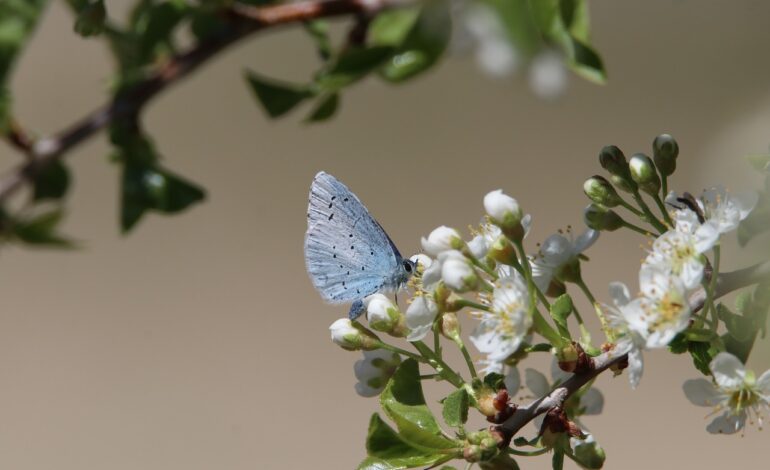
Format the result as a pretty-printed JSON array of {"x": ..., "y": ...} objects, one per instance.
[{"x": 348, "y": 255}]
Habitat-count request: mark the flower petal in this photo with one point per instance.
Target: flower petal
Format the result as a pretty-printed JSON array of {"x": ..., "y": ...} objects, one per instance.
[
  {"x": 701, "y": 392},
  {"x": 635, "y": 367},
  {"x": 536, "y": 382},
  {"x": 728, "y": 371},
  {"x": 585, "y": 240},
  {"x": 727, "y": 424},
  {"x": 592, "y": 402},
  {"x": 512, "y": 381},
  {"x": 763, "y": 383},
  {"x": 619, "y": 294}
]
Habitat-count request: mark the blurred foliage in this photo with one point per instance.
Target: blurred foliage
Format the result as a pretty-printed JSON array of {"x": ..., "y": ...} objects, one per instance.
[{"x": 394, "y": 45}]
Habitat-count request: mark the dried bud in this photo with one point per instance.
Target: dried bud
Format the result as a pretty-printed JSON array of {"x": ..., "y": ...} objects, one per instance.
[
  {"x": 644, "y": 174},
  {"x": 450, "y": 326},
  {"x": 486, "y": 399},
  {"x": 665, "y": 150},
  {"x": 573, "y": 359},
  {"x": 600, "y": 191},
  {"x": 601, "y": 218}
]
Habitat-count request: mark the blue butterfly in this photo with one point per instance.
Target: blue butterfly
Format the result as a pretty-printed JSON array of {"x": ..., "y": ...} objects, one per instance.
[{"x": 348, "y": 254}]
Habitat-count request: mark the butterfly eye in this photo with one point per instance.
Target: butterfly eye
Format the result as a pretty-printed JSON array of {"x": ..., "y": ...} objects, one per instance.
[{"x": 408, "y": 266}]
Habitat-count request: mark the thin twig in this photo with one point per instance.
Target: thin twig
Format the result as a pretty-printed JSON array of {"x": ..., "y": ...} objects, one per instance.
[{"x": 242, "y": 20}]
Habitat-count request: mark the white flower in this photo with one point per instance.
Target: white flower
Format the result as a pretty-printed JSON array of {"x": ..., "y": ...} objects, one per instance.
[
  {"x": 494, "y": 52},
  {"x": 626, "y": 320},
  {"x": 483, "y": 241},
  {"x": 503, "y": 329},
  {"x": 735, "y": 392},
  {"x": 374, "y": 371},
  {"x": 381, "y": 313},
  {"x": 502, "y": 208},
  {"x": 725, "y": 209},
  {"x": 420, "y": 316},
  {"x": 441, "y": 239},
  {"x": 345, "y": 335},
  {"x": 665, "y": 305},
  {"x": 548, "y": 75},
  {"x": 557, "y": 254},
  {"x": 591, "y": 402},
  {"x": 679, "y": 253},
  {"x": 422, "y": 261},
  {"x": 456, "y": 271}
]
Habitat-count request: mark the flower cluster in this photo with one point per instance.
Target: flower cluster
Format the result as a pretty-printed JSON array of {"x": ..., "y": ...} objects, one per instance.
[{"x": 521, "y": 303}]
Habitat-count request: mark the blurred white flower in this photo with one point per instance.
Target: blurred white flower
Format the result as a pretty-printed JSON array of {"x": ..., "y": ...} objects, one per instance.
[
  {"x": 502, "y": 330},
  {"x": 665, "y": 305},
  {"x": 420, "y": 316},
  {"x": 441, "y": 239},
  {"x": 559, "y": 253},
  {"x": 548, "y": 76},
  {"x": 494, "y": 51},
  {"x": 626, "y": 321},
  {"x": 736, "y": 393},
  {"x": 726, "y": 209},
  {"x": 374, "y": 371},
  {"x": 456, "y": 271}
]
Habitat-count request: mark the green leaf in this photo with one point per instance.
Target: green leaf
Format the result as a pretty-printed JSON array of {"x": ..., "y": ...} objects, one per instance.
[
  {"x": 557, "y": 461},
  {"x": 739, "y": 327},
  {"x": 586, "y": 62},
  {"x": 679, "y": 345},
  {"x": 157, "y": 26},
  {"x": 383, "y": 442},
  {"x": 455, "y": 409},
  {"x": 152, "y": 188},
  {"x": 319, "y": 31},
  {"x": 519, "y": 24},
  {"x": 494, "y": 380},
  {"x": 759, "y": 162},
  {"x": 424, "y": 45},
  {"x": 90, "y": 17},
  {"x": 560, "y": 311},
  {"x": 376, "y": 463},
  {"x": 352, "y": 65},
  {"x": 17, "y": 22},
  {"x": 277, "y": 98},
  {"x": 40, "y": 230},
  {"x": 702, "y": 354},
  {"x": 51, "y": 182},
  {"x": 404, "y": 403},
  {"x": 326, "y": 108},
  {"x": 392, "y": 27}
]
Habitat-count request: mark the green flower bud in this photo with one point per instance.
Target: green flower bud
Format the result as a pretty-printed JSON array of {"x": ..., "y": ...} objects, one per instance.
[
  {"x": 588, "y": 453},
  {"x": 612, "y": 159},
  {"x": 352, "y": 336},
  {"x": 644, "y": 174},
  {"x": 664, "y": 151},
  {"x": 601, "y": 218},
  {"x": 600, "y": 191}
]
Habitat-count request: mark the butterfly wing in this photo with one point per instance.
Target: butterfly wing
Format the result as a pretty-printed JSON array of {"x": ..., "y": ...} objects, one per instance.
[{"x": 347, "y": 253}]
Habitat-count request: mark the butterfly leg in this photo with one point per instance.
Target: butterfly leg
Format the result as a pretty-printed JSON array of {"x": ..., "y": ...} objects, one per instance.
[{"x": 356, "y": 309}]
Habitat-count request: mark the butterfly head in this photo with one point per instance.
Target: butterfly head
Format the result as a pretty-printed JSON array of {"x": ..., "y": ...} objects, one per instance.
[{"x": 407, "y": 269}]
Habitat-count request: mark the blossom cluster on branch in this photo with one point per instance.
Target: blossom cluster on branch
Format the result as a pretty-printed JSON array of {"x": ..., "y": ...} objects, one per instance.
[{"x": 522, "y": 303}]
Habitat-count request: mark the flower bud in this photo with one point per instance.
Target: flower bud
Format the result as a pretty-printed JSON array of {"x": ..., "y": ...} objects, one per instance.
[
  {"x": 381, "y": 313},
  {"x": 600, "y": 191},
  {"x": 450, "y": 326},
  {"x": 486, "y": 400},
  {"x": 442, "y": 239},
  {"x": 504, "y": 211},
  {"x": 478, "y": 247},
  {"x": 644, "y": 174},
  {"x": 567, "y": 358},
  {"x": 601, "y": 218},
  {"x": 665, "y": 150},
  {"x": 612, "y": 159},
  {"x": 457, "y": 273},
  {"x": 421, "y": 261},
  {"x": 352, "y": 337},
  {"x": 588, "y": 453}
]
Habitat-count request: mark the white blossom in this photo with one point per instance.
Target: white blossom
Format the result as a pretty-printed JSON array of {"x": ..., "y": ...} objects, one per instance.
[
  {"x": 735, "y": 394},
  {"x": 558, "y": 252},
  {"x": 421, "y": 261},
  {"x": 502, "y": 330},
  {"x": 548, "y": 76},
  {"x": 494, "y": 51},
  {"x": 626, "y": 321},
  {"x": 665, "y": 305},
  {"x": 381, "y": 313},
  {"x": 441, "y": 239},
  {"x": 726, "y": 210},
  {"x": 344, "y": 334},
  {"x": 456, "y": 271},
  {"x": 374, "y": 371},
  {"x": 420, "y": 316}
]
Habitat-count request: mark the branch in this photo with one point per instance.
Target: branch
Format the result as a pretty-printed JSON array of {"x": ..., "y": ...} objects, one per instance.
[
  {"x": 242, "y": 21},
  {"x": 726, "y": 283}
]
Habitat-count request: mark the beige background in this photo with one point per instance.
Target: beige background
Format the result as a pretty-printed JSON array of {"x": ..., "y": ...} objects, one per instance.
[{"x": 197, "y": 342}]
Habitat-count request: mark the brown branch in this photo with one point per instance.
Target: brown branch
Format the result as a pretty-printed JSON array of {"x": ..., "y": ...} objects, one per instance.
[
  {"x": 726, "y": 283},
  {"x": 242, "y": 20}
]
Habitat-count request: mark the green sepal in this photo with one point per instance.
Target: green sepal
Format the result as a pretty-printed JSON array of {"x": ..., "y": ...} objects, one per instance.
[
  {"x": 494, "y": 380},
  {"x": 326, "y": 108},
  {"x": 560, "y": 311},
  {"x": 51, "y": 181}
]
